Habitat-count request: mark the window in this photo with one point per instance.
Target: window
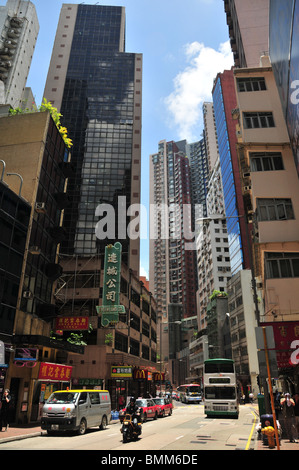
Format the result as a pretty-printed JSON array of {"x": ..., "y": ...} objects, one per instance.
[
  {"x": 258, "y": 120},
  {"x": 281, "y": 265},
  {"x": 266, "y": 161},
  {"x": 251, "y": 84},
  {"x": 94, "y": 398},
  {"x": 275, "y": 209}
]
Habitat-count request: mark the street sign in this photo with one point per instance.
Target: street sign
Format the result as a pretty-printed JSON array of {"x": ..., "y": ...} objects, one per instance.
[
  {"x": 260, "y": 338},
  {"x": 272, "y": 364},
  {"x": 110, "y": 307}
]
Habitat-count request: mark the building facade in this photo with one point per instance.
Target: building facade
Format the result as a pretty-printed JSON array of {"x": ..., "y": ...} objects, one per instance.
[
  {"x": 35, "y": 158},
  {"x": 248, "y": 28},
  {"x": 19, "y": 29},
  {"x": 172, "y": 248},
  {"x": 98, "y": 89},
  {"x": 224, "y": 99},
  {"x": 271, "y": 194}
]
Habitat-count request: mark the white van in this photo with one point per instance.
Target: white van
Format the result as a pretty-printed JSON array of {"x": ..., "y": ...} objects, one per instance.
[{"x": 68, "y": 410}]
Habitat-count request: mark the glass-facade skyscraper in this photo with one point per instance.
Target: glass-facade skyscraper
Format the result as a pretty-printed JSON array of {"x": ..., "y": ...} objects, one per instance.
[
  {"x": 97, "y": 88},
  {"x": 224, "y": 100}
]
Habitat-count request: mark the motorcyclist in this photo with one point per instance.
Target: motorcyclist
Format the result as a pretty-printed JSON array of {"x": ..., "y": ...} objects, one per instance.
[{"x": 133, "y": 410}]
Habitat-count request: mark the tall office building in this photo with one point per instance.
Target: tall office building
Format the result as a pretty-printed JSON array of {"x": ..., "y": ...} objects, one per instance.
[
  {"x": 19, "y": 29},
  {"x": 97, "y": 87},
  {"x": 224, "y": 99},
  {"x": 248, "y": 28}
]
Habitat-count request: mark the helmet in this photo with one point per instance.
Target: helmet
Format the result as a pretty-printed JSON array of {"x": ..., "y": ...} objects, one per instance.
[{"x": 132, "y": 399}]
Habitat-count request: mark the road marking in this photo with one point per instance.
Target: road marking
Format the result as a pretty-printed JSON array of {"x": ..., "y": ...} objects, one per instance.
[
  {"x": 177, "y": 438},
  {"x": 252, "y": 429}
]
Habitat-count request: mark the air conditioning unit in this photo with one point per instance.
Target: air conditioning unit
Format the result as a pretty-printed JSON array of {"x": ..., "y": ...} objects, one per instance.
[
  {"x": 247, "y": 188},
  {"x": 27, "y": 294},
  {"x": 40, "y": 207}
]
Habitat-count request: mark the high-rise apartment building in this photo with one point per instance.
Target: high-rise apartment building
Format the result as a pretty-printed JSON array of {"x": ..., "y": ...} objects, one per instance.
[
  {"x": 19, "y": 29},
  {"x": 270, "y": 189},
  {"x": 224, "y": 99},
  {"x": 248, "y": 27},
  {"x": 97, "y": 87},
  {"x": 173, "y": 277}
]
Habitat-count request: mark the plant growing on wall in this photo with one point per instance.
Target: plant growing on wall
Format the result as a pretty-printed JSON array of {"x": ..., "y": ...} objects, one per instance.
[{"x": 47, "y": 106}]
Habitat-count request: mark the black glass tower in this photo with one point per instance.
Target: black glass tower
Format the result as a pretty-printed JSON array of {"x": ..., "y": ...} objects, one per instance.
[{"x": 97, "y": 88}]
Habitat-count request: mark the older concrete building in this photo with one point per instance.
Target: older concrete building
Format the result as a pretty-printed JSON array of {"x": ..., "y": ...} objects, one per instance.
[{"x": 19, "y": 29}]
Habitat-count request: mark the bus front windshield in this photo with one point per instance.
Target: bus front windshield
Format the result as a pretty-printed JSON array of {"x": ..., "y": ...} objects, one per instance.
[
  {"x": 220, "y": 393},
  {"x": 193, "y": 390}
]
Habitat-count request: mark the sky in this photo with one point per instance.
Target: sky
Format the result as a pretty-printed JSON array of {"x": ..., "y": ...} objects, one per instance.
[{"x": 184, "y": 44}]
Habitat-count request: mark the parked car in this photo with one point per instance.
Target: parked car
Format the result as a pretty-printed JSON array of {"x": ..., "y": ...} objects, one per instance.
[
  {"x": 69, "y": 410},
  {"x": 148, "y": 409},
  {"x": 165, "y": 406},
  {"x": 175, "y": 396}
]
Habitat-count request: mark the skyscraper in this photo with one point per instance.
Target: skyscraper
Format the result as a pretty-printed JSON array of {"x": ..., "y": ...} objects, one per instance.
[
  {"x": 224, "y": 99},
  {"x": 19, "y": 29},
  {"x": 97, "y": 88}
]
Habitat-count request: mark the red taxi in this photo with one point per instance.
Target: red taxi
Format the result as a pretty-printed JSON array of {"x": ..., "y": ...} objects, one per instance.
[
  {"x": 165, "y": 406},
  {"x": 148, "y": 409}
]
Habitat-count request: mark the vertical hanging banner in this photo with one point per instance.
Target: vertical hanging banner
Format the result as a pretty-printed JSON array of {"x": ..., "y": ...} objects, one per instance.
[{"x": 110, "y": 307}]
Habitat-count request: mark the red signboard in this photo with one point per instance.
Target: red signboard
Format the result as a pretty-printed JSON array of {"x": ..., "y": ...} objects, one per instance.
[
  {"x": 286, "y": 337},
  {"x": 72, "y": 323},
  {"x": 54, "y": 372}
]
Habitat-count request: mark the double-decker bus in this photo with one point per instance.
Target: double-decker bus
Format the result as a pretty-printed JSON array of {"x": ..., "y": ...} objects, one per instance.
[
  {"x": 220, "y": 388},
  {"x": 189, "y": 393}
]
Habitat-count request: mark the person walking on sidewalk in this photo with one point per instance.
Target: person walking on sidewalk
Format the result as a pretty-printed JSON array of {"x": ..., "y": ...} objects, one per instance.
[
  {"x": 4, "y": 409},
  {"x": 288, "y": 413}
]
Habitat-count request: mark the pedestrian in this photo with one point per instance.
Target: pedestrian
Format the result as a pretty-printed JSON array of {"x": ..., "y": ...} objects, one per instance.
[
  {"x": 4, "y": 409},
  {"x": 251, "y": 397},
  {"x": 288, "y": 413},
  {"x": 296, "y": 411}
]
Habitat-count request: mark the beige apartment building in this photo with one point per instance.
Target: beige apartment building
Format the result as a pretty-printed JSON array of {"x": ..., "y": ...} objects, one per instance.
[
  {"x": 248, "y": 28},
  {"x": 270, "y": 190}
]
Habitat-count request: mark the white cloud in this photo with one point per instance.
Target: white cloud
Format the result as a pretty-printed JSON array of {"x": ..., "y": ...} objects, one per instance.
[{"x": 194, "y": 85}]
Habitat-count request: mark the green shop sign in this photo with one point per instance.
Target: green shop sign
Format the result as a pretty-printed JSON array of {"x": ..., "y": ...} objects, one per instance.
[{"x": 110, "y": 308}]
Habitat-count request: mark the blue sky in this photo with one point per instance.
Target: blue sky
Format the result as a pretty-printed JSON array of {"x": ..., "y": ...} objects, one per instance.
[{"x": 184, "y": 45}]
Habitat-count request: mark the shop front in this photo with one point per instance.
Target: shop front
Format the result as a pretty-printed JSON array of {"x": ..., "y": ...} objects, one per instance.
[{"x": 127, "y": 381}]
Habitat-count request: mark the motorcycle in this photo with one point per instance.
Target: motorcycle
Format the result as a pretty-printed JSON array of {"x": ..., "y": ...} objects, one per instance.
[{"x": 129, "y": 429}]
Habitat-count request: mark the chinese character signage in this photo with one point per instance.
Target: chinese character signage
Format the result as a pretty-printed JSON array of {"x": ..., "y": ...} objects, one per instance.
[
  {"x": 110, "y": 308},
  {"x": 286, "y": 336},
  {"x": 121, "y": 371},
  {"x": 72, "y": 323},
  {"x": 55, "y": 372}
]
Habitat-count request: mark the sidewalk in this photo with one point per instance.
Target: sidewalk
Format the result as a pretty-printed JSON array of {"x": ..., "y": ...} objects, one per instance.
[{"x": 17, "y": 432}]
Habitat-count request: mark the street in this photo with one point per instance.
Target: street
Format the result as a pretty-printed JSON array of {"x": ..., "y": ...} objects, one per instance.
[{"x": 188, "y": 429}]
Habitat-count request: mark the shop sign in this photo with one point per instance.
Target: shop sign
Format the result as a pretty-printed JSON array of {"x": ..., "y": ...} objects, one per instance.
[
  {"x": 140, "y": 374},
  {"x": 88, "y": 382},
  {"x": 55, "y": 372},
  {"x": 72, "y": 323},
  {"x": 110, "y": 307},
  {"x": 121, "y": 371},
  {"x": 26, "y": 354},
  {"x": 158, "y": 377},
  {"x": 286, "y": 337}
]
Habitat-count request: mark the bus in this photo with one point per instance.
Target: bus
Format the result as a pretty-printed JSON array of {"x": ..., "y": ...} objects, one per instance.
[
  {"x": 189, "y": 393},
  {"x": 220, "y": 388}
]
